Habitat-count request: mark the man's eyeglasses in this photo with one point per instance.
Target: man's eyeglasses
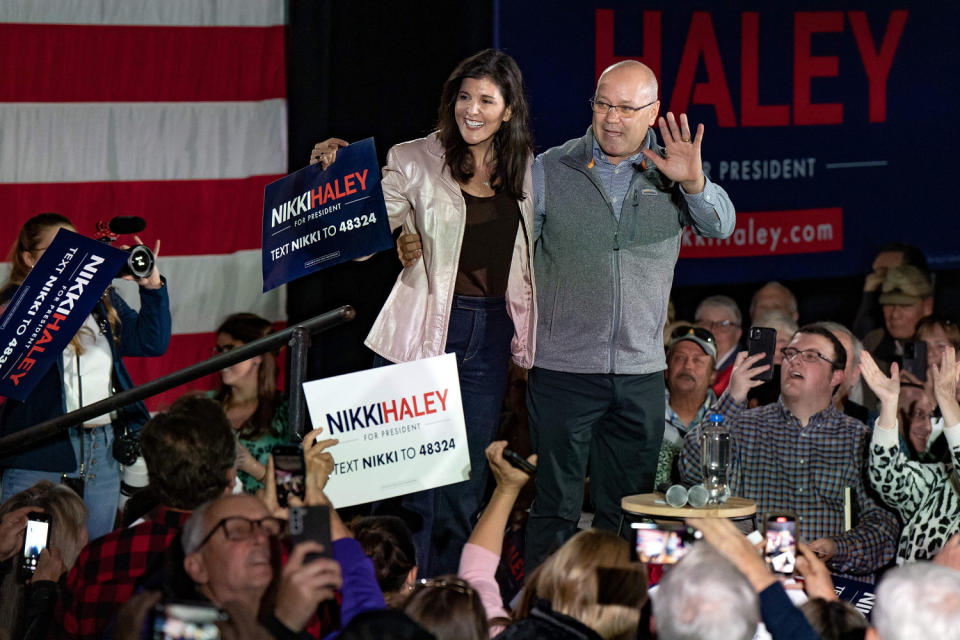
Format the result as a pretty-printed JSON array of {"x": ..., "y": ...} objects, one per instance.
[
  {"x": 238, "y": 528},
  {"x": 686, "y": 330},
  {"x": 625, "y": 111},
  {"x": 809, "y": 356}
]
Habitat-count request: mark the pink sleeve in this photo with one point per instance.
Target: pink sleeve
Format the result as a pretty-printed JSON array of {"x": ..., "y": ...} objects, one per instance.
[{"x": 478, "y": 566}]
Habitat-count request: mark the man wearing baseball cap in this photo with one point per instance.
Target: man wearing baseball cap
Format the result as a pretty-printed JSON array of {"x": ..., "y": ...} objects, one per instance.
[
  {"x": 907, "y": 296},
  {"x": 691, "y": 357}
]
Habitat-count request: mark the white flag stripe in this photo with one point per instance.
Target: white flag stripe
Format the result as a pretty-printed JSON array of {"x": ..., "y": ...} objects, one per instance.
[
  {"x": 91, "y": 142},
  {"x": 213, "y": 13},
  {"x": 206, "y": 289}
]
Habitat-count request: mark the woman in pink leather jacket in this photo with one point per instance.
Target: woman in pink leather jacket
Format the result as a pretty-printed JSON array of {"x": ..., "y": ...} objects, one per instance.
[{"x": 465, "y": 192}]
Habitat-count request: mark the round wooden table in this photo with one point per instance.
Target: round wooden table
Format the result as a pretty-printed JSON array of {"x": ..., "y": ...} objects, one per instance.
[{"x": 654, "y": 506}]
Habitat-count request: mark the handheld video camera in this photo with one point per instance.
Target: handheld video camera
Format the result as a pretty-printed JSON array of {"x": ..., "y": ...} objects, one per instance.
[{"x": 141, "y": 260}]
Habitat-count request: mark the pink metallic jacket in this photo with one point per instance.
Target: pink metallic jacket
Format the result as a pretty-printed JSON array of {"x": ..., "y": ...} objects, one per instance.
[{"x": 422, "y": 196}]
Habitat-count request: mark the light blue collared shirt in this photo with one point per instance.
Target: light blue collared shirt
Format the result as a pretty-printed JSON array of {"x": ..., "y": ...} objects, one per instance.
[{"x": 616, "y": 179}]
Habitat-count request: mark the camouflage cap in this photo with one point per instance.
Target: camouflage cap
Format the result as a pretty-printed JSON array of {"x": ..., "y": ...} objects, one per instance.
[{"x": 904, "y": 285}]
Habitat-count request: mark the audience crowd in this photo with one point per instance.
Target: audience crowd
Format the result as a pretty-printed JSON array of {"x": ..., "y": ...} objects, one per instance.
[{"x": 853, "y": 430}]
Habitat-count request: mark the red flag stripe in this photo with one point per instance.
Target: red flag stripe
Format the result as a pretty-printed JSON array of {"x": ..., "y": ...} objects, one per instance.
[
  {"x": 93, "y": 63},
  {"x": 189, "y": 216}
]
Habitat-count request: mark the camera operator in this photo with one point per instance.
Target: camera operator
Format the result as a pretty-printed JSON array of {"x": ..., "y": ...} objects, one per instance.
[{"x": 90, "y": 370}]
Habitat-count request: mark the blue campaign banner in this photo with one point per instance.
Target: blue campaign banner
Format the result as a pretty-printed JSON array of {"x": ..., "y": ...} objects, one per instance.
[
  {"x": 860, "y": 594},
  {"x": 313, "y": 219},
  {"x": 50, "y": 307},
  {"x": 827, "y": 123}
]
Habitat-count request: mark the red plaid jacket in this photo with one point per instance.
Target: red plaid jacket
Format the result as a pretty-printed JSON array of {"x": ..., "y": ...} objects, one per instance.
[{"x": 108, "y": 572}]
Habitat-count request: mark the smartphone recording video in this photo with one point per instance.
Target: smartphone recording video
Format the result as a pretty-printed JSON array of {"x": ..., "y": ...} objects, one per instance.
[
  {"x": 312, "y": 523},
  {"x": 915, "y": 358},
  {"x": 763, "y": 340},
  {"x": 35, "y": 540},
  {"x": 780, "y": 543},
  {"x": 289, "y": 472},
  {"x": 663, "y": 544}
]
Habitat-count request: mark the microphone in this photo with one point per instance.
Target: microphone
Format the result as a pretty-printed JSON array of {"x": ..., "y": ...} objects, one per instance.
[{"x": 127, "y": 224}]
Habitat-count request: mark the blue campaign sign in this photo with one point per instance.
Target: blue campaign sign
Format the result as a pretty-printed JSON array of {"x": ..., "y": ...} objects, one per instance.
[
  {"x": 313, "y": 219},
  {"x": 860, "y": 594},
  {"x": 50, "y": 307},
  {"x": 826, "y": 123}
]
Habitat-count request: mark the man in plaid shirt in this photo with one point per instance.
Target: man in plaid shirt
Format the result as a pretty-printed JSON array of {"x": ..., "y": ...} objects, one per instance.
[
  {"x": 800, "y": 453},
  {"x": 191, "y": 455}
]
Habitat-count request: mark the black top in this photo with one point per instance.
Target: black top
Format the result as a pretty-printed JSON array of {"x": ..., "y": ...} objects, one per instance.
[{"x": 487, "y": 247}]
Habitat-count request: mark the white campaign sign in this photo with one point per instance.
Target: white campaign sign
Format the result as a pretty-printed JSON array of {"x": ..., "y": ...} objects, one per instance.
[{"x": 400, "y": 429}]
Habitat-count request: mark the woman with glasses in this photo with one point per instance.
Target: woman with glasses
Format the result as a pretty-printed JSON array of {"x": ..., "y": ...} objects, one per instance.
[
  {"x": 90, "y": 369},
  {"x": 249, "y": 396},
  {"x": 465, "y": 192}
]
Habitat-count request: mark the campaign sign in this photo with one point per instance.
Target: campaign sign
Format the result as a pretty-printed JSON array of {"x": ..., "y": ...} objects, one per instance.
[
  {"x": 50, "y": 307},
  {"x": 313, "y": 219},
  {"x": 400, "y": 429},
  {"x": 800, "y": 103},
  {"x": 860, "y": 594}
]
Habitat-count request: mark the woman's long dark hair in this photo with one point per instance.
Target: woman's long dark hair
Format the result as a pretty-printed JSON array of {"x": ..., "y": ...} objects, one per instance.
[
  {"x": 247, "y": 327},
  {"x": 512, "y": 143}
]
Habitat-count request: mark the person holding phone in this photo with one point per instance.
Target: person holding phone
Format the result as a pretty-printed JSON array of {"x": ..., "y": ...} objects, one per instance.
[
  {"x": 465, "y": 193},
  {"x": 481, "y": 554},
  {"x": 90, "y": 369},
  {"x": 906, "y": 297},
  {"x": 801, "y": 452},
  {"x": 46, "y": 516},
  {"x": 191, "y": 454}
]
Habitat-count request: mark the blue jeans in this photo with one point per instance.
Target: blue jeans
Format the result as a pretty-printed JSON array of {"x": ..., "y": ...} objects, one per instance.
[
  {"x": 479, "y": 334},
  {"x": 102, "y": 487}
]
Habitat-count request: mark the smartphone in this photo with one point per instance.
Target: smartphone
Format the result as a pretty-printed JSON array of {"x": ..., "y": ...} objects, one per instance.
[
  {"x": 762, "y": 340},
  {"x": 312, "y": 523},
  {"x": 663, "y": 543},
  {"x": 35, "y": 540},
  {"x": 289, "y": 471},
  {"x": 518, "y": 461},
  {"x": 915, "y": 358},
  {"x": 780, "y": 543},
  {"x": 186, "y": 621}
]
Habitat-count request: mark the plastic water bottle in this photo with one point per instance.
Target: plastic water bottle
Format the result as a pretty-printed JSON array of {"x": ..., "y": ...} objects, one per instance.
[{"x": 715, "y": 459}]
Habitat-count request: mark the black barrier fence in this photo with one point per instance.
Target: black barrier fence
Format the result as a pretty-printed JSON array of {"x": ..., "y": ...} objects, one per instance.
[{"x": 296, "y": 337}]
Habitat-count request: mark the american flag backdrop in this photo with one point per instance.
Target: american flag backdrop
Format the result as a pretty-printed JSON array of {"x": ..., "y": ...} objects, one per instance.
[{"x": 173, "y": 110}]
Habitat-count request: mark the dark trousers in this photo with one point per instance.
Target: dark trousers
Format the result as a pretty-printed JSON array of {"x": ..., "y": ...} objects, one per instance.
[
  {"x": 613, "y": 421},
  {"x": 479, "y": 333}
]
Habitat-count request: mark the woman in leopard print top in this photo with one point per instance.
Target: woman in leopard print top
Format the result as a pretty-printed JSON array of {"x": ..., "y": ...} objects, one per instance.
[{"x": 925, "y": 495}]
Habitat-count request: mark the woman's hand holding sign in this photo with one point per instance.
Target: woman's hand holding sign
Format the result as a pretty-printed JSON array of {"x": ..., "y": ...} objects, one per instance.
[{"x": 325, "y": 152}]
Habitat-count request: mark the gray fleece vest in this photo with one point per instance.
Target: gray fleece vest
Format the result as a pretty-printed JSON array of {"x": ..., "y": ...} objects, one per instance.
[{"x": 603, "y": 285}]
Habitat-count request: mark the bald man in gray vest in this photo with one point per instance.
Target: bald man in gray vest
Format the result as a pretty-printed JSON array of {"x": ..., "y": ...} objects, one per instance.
[{"x": 610, "y": 212}]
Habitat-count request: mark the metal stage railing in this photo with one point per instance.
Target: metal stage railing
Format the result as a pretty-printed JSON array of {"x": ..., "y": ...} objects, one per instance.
[{"x": 297, "y": 337}]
